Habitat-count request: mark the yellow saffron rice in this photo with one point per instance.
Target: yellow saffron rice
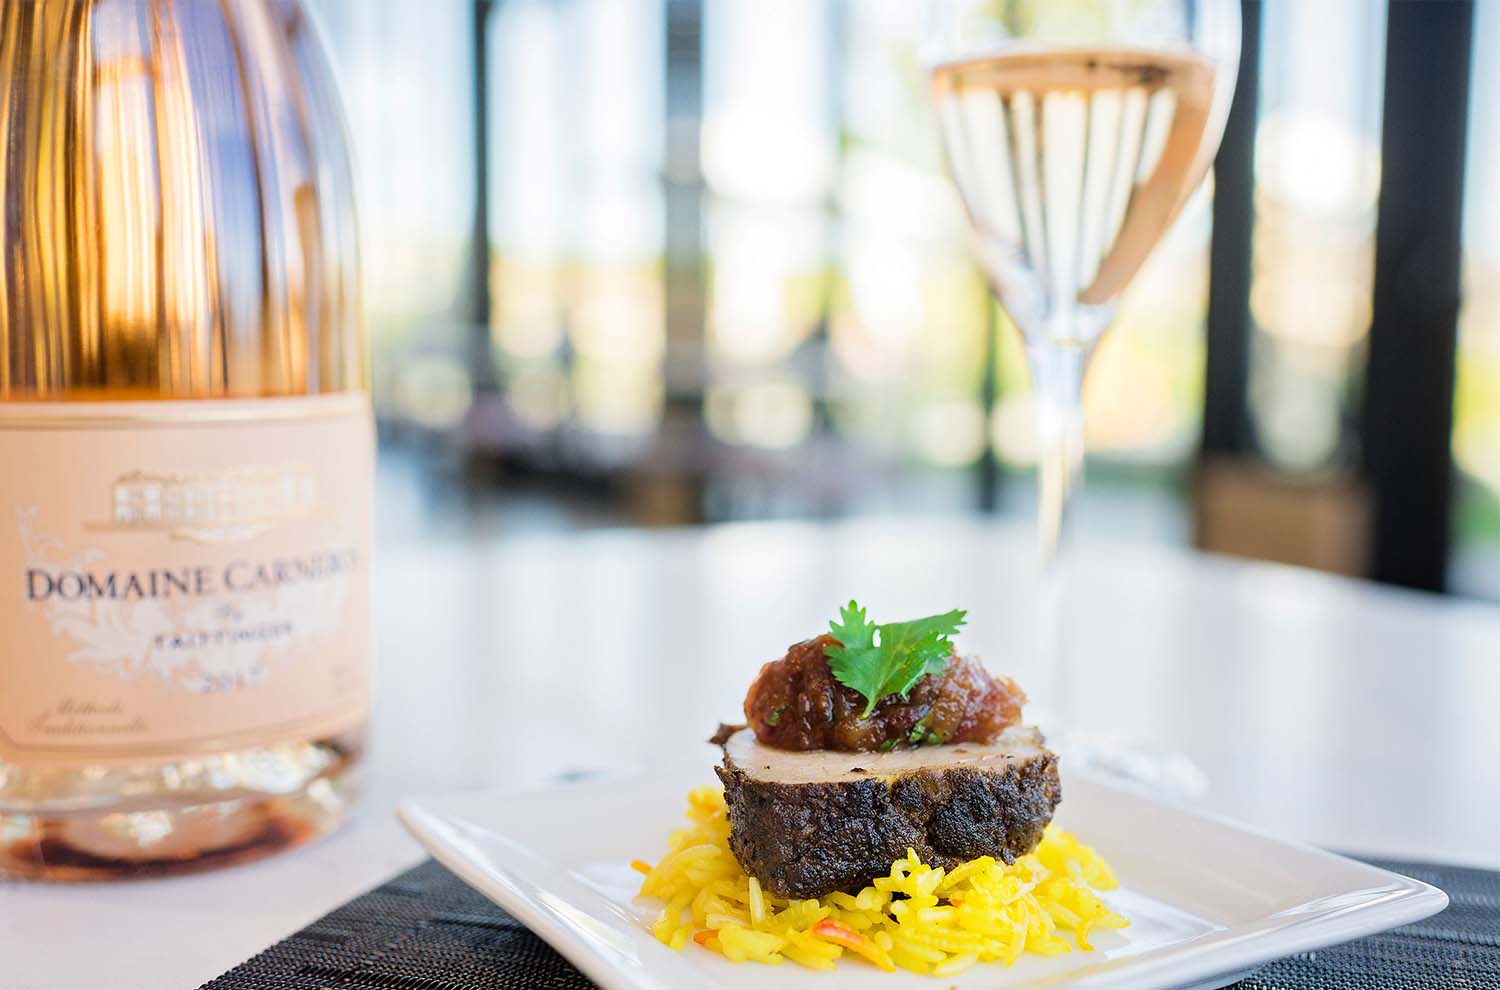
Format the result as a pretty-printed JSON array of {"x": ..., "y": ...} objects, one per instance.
[{"x": 917, "y": 917}]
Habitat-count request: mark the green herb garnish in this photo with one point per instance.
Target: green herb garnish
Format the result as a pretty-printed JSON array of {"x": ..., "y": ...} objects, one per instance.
[
  {"x": 920, "y": 735},
  {"x": 889, "y": 658}
]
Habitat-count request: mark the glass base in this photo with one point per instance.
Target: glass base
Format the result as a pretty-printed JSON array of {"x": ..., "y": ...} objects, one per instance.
[
  {"x": 82, "y": 824},
  {"x": 1164, "y": 773}
]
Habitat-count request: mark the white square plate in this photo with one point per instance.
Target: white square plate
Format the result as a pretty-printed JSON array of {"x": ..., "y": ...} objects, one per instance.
[{"x": 1208, "y": 900}]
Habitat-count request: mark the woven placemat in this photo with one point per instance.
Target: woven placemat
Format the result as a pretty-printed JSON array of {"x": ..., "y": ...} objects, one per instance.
[{"x": 426, "y": 930}]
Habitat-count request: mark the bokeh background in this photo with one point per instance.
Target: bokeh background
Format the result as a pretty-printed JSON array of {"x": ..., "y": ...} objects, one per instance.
[{"x": 663, "y": 262}]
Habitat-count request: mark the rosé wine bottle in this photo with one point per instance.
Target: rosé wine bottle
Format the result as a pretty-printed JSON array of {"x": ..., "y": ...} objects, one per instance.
[{"x": 186, "y": 442}]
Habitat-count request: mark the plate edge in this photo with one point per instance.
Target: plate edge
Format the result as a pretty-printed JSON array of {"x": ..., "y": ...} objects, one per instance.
[{"x": 562, "y": 941}]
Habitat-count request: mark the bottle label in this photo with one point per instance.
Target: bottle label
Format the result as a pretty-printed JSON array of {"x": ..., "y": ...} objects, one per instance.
[{"x": 182, "y": 578}]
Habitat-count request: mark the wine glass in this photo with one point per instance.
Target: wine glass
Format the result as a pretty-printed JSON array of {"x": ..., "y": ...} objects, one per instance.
[{"x": 1075, "y": 130}]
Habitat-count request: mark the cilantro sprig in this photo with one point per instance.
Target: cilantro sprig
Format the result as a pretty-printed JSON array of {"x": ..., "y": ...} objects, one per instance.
[{"x": 889, "y": 658}]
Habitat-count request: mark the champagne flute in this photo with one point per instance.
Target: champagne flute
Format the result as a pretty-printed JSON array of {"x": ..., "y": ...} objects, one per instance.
[{"x": 1075, "y": 130}]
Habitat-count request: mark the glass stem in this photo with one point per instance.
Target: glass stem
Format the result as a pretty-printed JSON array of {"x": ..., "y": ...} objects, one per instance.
[{"x": 1057, "y": 371}]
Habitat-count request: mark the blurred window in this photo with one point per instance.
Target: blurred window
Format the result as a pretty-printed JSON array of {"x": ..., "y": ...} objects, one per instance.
[
  {"x": 1317, "y": 178},
  {"x": 1476, "y": 405},
  {"x": 406, "y": 76}
]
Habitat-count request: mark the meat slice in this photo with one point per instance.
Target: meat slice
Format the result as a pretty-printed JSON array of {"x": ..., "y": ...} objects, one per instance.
[{"x": 808, "y": 823}]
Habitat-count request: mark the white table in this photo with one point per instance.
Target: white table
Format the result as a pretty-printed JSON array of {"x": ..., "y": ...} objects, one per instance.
[{"x": 1352, "y": 716}]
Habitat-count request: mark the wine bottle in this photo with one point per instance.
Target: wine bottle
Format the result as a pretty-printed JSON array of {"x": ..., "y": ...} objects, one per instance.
[{"x": 186, "y": 441}]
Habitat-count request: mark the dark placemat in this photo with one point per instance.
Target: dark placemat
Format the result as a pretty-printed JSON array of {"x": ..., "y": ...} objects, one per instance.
[{"x": 426, "y": 930}]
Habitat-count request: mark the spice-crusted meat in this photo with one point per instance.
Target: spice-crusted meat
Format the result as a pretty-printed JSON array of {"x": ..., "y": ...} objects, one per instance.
[
  {"x": 796, "y": 704},
  {"x": 805, "y": 824}
]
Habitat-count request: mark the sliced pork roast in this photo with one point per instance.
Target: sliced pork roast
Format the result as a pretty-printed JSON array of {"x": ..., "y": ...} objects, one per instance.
[{"x": 806, "y": 823}]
